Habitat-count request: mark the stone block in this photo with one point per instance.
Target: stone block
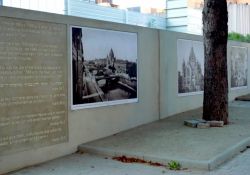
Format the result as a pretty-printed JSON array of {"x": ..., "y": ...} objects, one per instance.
[
  {"x": 191, "y": 123},
  {"x": 215, "y": 123},
  {"x": 201, "y": 120},
  {"x": 203, "y": 125}
]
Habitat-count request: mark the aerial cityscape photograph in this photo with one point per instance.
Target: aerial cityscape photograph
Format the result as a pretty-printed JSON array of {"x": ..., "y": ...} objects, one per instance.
[{"x": 106, "y": 62}]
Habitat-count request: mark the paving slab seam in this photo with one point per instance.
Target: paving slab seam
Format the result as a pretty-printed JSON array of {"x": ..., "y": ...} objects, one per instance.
[
  {"x": 96, "y": 151},
  {"x": 240, "y": 104}
]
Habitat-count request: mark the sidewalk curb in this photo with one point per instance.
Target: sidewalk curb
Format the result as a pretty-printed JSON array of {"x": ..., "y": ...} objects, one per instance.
[{"x": 209, "y": 165}]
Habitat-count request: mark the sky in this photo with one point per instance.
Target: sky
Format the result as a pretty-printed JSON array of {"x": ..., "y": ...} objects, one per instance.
[
  {"x": 98, "y": 42},
  {"x": 183, "y": 52}
]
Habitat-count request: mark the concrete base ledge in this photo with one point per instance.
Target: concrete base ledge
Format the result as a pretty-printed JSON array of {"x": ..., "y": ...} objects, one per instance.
[
  {"x": 191, "y": 164},
  {"x": 169, "y": 139},
  {"x": 229, "y": 153},
  {"x": 163, "y": 160}
]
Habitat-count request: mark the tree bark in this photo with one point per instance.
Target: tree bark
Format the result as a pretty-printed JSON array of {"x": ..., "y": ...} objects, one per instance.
[{"x": 215, "y": 32}]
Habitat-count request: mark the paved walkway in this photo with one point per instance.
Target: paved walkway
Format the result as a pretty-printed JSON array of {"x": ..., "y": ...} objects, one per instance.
[
  {"x": 86, "y": 164},
  {"x": 169, "y": 139},
  {"x": 166, "y": 140}
]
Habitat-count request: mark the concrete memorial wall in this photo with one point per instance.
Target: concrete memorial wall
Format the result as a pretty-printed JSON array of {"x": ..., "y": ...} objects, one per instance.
[
  {"x": 33, "y": 88},
  {"x": 37, "y": 122}
]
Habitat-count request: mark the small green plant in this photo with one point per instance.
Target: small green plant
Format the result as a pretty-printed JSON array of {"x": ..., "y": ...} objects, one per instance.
[
  {"x": 239, "y": 37},
  {"x": 174, "y": 165}
]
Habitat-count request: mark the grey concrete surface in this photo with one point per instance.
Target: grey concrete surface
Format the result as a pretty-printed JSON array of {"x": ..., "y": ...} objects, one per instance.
[
  {"x": 86, "y": 164},
  {"x": 169, "y": 139},
  {"x": 194, "y": 145},
  {"x": 31, "y": 118},
  {"x": 243, "y": 104}
]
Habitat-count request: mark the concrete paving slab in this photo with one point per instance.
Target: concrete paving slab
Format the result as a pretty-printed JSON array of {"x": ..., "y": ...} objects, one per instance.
[
  {"x": 169, "y": 139},
  {"x": 243, "y": 104}
]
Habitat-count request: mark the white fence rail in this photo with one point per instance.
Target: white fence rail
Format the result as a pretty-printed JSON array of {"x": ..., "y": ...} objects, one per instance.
[
  {"x": 239, "y": 18},
  {"x": 52, "y": 6},
  {"x": 177, "y": 15}
]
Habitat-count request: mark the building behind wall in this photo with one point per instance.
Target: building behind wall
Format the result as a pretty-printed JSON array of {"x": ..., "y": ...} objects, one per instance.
[{"x": 238, "y": 16}]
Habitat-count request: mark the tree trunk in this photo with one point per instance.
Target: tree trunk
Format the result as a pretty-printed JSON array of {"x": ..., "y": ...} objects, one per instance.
[{"x": 215, "y": 32}]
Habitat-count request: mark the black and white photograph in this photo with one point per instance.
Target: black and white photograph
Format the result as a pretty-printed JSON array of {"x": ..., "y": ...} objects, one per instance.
[
  {"x": 239, "y": 64},
  {"x": 190, "y": 65},
  {"x": 104, "y": 67}
]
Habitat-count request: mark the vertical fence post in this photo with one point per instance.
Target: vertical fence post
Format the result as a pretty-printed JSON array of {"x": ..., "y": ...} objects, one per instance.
[
  {"x": 125, "y": 16},
  {"x": 66, "y": 7}
]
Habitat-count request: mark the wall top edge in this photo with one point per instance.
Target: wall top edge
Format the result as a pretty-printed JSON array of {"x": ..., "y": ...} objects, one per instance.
[{"x": 65, "y": 19}]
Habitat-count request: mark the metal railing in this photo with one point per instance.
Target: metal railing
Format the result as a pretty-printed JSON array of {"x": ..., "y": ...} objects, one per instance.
[{"x": 87, "y": 10}]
